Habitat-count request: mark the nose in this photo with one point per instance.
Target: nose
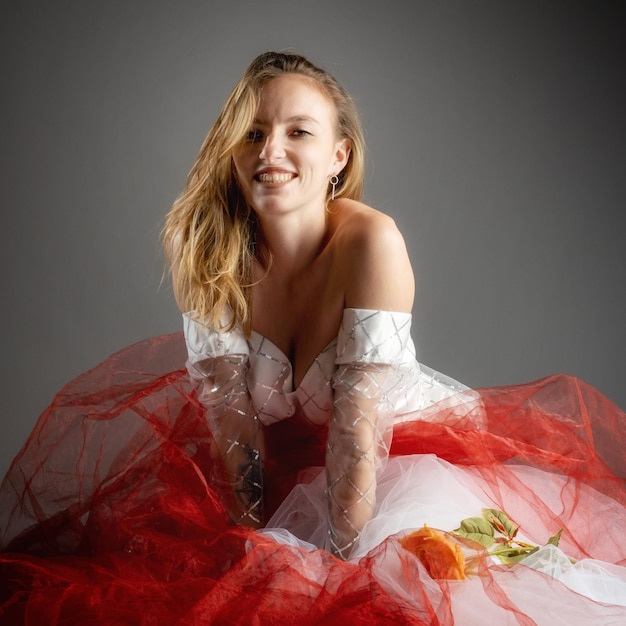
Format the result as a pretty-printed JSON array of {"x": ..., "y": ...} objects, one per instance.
[{"x": 273, "y": 149}]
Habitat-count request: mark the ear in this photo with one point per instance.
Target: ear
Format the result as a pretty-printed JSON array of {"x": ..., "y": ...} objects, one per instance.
[{"x": 342, "y": 153}]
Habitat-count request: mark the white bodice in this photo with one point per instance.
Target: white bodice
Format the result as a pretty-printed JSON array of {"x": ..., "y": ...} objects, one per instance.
[{"x": 365, "y": 336}]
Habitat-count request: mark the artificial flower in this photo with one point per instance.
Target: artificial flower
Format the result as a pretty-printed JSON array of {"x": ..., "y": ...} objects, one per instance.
[
  {"x": 440, "y": 555},
  {"x": 443, "y": 558}
]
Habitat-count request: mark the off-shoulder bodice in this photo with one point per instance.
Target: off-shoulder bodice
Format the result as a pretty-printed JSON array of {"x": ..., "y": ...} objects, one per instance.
[{"x": 365, "y": 336}]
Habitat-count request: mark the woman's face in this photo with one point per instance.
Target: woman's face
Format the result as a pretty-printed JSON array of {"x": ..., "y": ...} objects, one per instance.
[{"x": 292, "y": 148}]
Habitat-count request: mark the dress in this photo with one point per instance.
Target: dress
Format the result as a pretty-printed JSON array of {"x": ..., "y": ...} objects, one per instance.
[{"x": 114, "y": 511}]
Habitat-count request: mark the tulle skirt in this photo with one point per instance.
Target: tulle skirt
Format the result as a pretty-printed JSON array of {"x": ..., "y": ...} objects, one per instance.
[{"x": 108, "y": 514}]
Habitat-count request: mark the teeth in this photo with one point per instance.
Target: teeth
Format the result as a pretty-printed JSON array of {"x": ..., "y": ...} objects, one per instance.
[{"x": 274, "y": 177}]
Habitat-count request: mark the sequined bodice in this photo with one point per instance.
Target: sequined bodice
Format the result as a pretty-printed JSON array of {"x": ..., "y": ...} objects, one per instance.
[
  {"x": 365, "y": 336},
  {"x": 270, "y": 380}
]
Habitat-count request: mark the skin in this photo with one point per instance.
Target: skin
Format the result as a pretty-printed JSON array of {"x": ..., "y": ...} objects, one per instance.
[{"x": 325, "y": 258}]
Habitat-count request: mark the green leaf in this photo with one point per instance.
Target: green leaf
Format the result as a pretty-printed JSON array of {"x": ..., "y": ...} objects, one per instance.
[
  {"x": 501, "y": 522},
  {"x": 554, "y": 540},
  {"x": 477, "y": 529}
]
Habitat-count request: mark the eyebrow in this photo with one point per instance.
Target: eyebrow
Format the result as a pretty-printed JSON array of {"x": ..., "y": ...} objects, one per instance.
[{"x": 294, "y": 118}]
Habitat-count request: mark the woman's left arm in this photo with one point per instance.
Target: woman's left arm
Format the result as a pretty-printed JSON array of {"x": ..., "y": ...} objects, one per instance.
[{"x": 378, "y": 278}]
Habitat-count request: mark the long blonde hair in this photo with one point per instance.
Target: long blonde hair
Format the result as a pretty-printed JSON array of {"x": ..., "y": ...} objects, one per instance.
[{"x": 211, "y": 234}]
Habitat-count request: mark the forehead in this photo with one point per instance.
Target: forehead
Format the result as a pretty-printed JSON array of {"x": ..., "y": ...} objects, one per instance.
[{"x": 294, "y": 95}]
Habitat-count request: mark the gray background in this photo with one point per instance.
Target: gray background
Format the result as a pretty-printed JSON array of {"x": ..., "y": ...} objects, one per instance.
[{"x": 496, "y": 140}]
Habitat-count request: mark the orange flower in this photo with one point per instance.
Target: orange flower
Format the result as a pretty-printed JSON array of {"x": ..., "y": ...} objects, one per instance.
[{"x": 441, "y": 557}]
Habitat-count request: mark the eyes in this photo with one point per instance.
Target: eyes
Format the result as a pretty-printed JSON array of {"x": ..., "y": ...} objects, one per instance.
[{"x": 255, "y": 135}]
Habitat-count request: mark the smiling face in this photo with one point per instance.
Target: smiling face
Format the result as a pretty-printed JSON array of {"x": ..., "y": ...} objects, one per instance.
[{"x": 292, "y": 148}]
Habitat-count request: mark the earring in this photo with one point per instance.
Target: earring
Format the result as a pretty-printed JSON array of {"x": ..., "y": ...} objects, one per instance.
[{"x": 334, "y": 180}]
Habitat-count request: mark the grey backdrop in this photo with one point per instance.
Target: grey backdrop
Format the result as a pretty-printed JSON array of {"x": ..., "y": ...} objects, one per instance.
[{"x": 496, "y": 140}]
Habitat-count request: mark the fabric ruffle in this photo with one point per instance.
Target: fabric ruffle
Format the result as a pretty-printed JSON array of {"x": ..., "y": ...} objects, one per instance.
[{"x": 108, "y": 514}]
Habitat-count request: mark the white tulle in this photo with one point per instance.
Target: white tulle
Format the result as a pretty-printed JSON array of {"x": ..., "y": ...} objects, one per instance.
[
  {"x": 411, "y": 491},
  {"x": 423, "y": 489}
]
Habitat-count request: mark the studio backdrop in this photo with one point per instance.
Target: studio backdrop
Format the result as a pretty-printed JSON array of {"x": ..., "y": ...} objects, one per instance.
[{"x": 496, "y": 141}]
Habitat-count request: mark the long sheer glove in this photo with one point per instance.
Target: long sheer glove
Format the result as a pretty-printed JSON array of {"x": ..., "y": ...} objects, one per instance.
[
  {"x": 359, "y": 438},
  {"x": 237, "y": 432}
]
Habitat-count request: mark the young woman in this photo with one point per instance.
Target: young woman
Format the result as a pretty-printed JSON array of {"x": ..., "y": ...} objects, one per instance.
[
  {"x": 279, "y": 245},
  {"x": 263, "y": 482}
]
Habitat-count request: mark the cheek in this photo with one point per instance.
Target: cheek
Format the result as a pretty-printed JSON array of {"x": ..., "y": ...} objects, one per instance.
[
  {"x": 244, "y": 157},
  {"x": 317, "y": 160}
]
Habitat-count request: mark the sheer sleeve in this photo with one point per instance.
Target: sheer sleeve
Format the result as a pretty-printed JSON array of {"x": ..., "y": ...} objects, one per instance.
[
  {"x": 376, "y": 364},
  {"x": 218, "y": 361}
]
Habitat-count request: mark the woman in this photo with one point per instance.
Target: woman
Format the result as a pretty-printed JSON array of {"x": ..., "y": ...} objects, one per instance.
[
  {"x": 296, "y": 302},
  {"x": 301, "y": 251}
]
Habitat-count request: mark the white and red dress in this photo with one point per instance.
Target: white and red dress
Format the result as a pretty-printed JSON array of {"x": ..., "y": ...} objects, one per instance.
[{"x": 111, "y": 513}]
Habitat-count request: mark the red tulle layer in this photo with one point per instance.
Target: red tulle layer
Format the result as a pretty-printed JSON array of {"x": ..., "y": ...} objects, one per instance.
[{"x": 108, "y": 514}]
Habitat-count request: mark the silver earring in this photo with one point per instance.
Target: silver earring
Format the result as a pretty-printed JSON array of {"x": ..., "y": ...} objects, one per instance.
[{"x": 334, "y": 180}]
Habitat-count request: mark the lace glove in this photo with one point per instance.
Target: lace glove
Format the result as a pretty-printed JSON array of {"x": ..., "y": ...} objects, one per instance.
[
  {"x": 219, "y": 362},
  {"x": 366, "y": 392}
]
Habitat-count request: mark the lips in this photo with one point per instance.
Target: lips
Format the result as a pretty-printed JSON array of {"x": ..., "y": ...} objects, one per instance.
[{"x": 271, "y": 176}]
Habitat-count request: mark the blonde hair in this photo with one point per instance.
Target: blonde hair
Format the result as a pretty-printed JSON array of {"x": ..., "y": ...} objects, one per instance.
[{"x": 211, "y": 234}]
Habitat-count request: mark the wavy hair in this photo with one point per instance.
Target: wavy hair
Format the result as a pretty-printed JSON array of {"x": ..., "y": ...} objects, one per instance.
[{"x": 211, "y": 234}]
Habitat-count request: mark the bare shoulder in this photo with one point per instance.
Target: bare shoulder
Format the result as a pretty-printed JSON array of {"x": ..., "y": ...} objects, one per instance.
[
  {"x": 361, "y": 228},
  {"x": 373, "y": 259}
]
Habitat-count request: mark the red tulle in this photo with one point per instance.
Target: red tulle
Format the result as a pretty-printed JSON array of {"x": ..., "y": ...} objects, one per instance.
[{"x": 108, "y": 515}]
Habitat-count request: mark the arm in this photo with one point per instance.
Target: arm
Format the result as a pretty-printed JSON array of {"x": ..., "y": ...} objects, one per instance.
[
  {"x": 219, "y": 362},
  {"x": 368, "y": 378},
  {"x": 359, "y": 435}
]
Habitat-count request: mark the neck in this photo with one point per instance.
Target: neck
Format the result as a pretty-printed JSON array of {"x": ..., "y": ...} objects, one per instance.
[{"x": 294, "y": 241}]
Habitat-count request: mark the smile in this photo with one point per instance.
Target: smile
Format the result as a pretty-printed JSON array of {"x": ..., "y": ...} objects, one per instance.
[{"x": 274, "y": 177}]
